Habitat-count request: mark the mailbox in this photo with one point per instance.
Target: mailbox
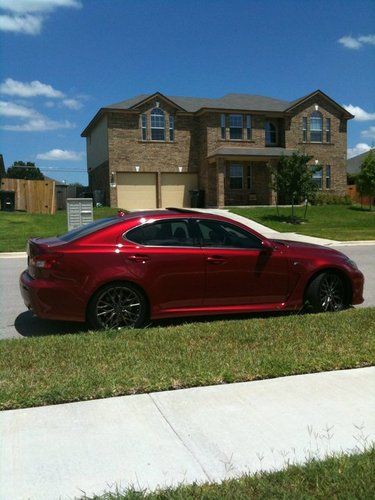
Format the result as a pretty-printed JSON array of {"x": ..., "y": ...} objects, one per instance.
[{"x": 80, "y": 212}]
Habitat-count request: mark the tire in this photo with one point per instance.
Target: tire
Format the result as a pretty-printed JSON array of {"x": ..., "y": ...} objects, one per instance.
[
  {"x": 117, "y": 305},
  {"x": 326, "y": 292}
]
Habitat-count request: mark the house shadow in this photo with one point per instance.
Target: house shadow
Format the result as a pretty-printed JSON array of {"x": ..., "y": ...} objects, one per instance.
[{"x": 29, "y": 325}]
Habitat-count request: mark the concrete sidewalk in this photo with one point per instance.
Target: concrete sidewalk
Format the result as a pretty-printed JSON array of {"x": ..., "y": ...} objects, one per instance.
[{"x": 201, "y": 434}]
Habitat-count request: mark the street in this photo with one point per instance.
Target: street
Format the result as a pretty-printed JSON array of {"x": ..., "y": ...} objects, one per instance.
[{"x": 17, "y": 322}]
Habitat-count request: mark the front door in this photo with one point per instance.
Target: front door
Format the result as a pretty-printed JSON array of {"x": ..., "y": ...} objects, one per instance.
[{"x": 239, "y": 270}]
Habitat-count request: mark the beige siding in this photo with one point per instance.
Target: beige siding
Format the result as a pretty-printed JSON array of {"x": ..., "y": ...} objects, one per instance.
[{"x": 97, "y": 144}]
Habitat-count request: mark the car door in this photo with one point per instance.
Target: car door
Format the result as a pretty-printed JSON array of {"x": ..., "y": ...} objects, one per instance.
[
  {"x": 166, "y": 260},
  {"x": 239, "y": 270}
]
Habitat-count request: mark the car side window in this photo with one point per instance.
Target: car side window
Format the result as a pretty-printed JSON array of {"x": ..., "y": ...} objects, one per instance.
[
  {"x": 175, "y": 233},
  {"x": 222, "y": 234}
]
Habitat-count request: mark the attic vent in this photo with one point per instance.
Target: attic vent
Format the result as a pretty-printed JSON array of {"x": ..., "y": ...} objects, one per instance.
[
  {"x": 316, "y": 107},
  {"x": 157, "y": 104}
]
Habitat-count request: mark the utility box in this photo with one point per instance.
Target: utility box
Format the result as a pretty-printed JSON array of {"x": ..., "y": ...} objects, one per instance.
[
  {"x": 7, "y": 201},
  {"x": 80, "y": 212}
]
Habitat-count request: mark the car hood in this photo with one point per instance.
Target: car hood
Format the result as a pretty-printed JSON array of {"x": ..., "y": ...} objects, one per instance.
[{"x": 300, "y": 246}]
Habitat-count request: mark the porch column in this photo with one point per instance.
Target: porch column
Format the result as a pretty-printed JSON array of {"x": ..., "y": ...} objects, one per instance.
[
  {"x": 220, "y": 182},
  {"x": 272, "y": 194}
]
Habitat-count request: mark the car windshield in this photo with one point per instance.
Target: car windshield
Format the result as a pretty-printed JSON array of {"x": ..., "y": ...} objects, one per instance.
[{"x": 79, "y": 232}]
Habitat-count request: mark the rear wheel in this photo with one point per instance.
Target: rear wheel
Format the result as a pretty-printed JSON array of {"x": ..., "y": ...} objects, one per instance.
[
  {"x": 327, "y": 292},
  {"x": 117, "y": 305}
]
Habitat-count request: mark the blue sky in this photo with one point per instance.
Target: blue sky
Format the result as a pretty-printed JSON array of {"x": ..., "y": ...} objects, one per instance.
[{"x": 61, "y": 60}]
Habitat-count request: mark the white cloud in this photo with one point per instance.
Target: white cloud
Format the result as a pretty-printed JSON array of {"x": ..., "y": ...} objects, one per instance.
[
  {"x": 15, "y": 110},
  {"x": 356, "y": 43},
  {"x": 359, "y": 114},
  {"x": 370, "y": 132},
  {"x": 358, "y": 149},
  {"x": 27, "y": 16},
  {"x": 29, "y": 89},
  {"x": 60, "y": 155},
  {"x": 22, "y": 6},
  {"x": 39, "y": 123},
  {"x": 72, "y": 103},
  {"x": 29, "y": 25}
]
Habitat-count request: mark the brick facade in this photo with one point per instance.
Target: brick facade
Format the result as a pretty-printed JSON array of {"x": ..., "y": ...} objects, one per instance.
[{"x": 197, "y": 136}]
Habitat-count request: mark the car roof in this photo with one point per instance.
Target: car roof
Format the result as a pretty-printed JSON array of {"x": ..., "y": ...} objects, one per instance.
[{"x": 170, "y": 212}]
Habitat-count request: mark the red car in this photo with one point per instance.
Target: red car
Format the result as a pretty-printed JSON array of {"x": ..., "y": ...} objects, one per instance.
[{"x": 126, "y": 270}]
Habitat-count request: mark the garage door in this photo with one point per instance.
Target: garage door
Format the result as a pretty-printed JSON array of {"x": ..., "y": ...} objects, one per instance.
[
  {"x": 136, "y": 191},
  {"x": 175, "y": 189}
]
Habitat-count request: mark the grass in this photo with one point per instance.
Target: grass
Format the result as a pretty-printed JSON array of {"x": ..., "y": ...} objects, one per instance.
[
  {"x": 20, "y": 226},
  {"x": 74, "y": 367},
  {"x": 338, "y": 477},
  {"x": 336, "y": 222}
]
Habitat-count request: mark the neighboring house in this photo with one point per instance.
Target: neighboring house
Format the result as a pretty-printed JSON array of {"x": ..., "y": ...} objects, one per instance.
[
  {"x": 151, "y": 150},
  {"x": 353, "y": 165},
  {"x": 2, "y": 167}
]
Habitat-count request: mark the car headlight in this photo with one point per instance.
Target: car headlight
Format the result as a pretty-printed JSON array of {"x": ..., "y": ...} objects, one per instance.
[{"x": 351, "y": 263}]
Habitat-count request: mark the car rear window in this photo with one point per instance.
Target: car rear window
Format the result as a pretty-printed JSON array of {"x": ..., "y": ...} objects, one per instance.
[{"x": 87, "y": 229}]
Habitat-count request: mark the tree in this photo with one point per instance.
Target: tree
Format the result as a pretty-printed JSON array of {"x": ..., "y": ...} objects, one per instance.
[
  {"x": 365, "y": 180},
  {"x": 22, "y": 170},
  {"x": 292, "y": 179}
]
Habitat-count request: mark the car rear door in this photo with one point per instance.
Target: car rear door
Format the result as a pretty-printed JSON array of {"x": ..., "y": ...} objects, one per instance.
[
  {"x": 165, "y": 258},
  {"x": 239, "y": 270}
]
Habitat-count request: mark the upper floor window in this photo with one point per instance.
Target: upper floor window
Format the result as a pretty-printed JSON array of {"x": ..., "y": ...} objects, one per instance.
[
  {"x": 271, "y": 133},
  {"x": 157, "y": 125},
  {"x": 144, "y": 126},
  {"x": 248, "y": 127},
  {"x": 235, "y": 126},
  {"x": 316, "y": 127},
  {"x": 223, "y": 126},
  {"x": 171, "y": 128},
  {"x": 304, "y": 129},
  {"x": 328, "y": 130},
  {"x": 235, "y": 176}
]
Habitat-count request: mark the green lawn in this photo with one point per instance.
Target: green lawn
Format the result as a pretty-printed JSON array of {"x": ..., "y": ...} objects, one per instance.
[
  {"x": 73, "y": 367},
  {"x": 17, "y": 227},
  {"x": 336, "y": 222},
  {"x": 344, "y": 477}
]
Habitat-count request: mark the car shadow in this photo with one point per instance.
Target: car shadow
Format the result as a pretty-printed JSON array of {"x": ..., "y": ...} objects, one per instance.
[{"x": 29, "y": 325}]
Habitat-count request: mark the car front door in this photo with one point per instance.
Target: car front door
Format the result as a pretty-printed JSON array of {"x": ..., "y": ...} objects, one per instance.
[
  {"x": 167, "y": 261},
  {"x": 239, "y": 270}
]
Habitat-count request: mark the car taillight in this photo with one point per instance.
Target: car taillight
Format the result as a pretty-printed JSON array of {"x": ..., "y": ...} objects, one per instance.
[{"x": 46, "y": 261}]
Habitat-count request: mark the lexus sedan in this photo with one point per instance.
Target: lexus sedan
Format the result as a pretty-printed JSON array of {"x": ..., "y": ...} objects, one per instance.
[{"x": 142, "y": 266}]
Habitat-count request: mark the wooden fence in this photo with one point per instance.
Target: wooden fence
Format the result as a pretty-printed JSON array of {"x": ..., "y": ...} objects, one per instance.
[{"x": 36, "y": 197}]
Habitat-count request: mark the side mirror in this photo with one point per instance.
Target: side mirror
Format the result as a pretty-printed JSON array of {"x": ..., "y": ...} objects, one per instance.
[{"x": 267, "y": 245}]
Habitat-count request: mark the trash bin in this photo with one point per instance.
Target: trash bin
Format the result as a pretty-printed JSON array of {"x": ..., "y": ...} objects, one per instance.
[
  {"x": 197, "y": 198},
  {"x": 7, "y": 201}
]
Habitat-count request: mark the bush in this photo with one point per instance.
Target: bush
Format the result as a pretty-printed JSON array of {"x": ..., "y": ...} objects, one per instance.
[{"x": 330, "y": 199}]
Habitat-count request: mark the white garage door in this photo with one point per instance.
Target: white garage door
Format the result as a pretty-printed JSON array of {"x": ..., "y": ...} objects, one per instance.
[
  {"x": 136, "y": 191},
  {"x": 175, "y": 189}
]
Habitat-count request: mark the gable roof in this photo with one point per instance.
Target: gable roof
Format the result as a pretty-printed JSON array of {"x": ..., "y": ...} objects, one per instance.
[
  {"x": 353, "y": 165},
  {"x": 301, "y": 100}
]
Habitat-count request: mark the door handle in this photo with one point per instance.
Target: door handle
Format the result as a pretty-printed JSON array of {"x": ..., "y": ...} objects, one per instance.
[
  {"x": 138, "y": 258},
  {"x": 216, "y": 259}
]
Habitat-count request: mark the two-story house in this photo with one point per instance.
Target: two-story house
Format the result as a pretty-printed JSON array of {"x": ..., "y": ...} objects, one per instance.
[{"x": 151, "y": 150}]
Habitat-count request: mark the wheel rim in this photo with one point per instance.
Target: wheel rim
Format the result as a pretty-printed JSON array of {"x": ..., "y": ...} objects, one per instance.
[
  {"x": 332, "y": 293},
  {"x": 118, "y": 306}
]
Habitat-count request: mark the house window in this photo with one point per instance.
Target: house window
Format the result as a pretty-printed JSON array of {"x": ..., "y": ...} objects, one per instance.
[
  {"x": 235, "y": 126},
  {"x": 171, "y": 128},
  {"x": 328, "y": 129},
  {"x": 223, "y": 125},
  {"x": 249, "y": 180},
  {"x": 318, "y": 177},
  {"x": 144, "y": 126},
  {"x": 328, "y": 176},
  {"x": 316, "y": 127},
  {"x": 157, "y": 125},
  {"x": 235, "y": 176},
  {"x": 271, "y": 133},
  {"x": 304, "y": 129},
  {"x": 248, "y": 127}
]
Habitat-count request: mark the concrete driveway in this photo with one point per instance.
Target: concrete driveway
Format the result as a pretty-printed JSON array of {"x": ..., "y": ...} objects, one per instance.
[{"x": 17, "y": 322}]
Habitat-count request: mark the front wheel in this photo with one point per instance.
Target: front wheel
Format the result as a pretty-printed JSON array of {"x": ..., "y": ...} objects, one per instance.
[
  {"x": 327, "y": 292},
  {"x": 117, "y": 305}
]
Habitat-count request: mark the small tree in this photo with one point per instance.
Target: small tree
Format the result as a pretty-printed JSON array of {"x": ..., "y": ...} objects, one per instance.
[
  {"x": 365, "y": 180},
  {"x": 22, "y": 170},
  {"x": 292, "y": 179}
]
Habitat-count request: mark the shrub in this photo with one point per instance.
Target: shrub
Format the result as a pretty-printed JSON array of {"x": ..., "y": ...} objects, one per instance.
[{"x": 330, "y": 199}]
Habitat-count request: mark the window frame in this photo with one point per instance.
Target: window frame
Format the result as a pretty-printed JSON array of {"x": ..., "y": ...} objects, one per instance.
[
  {"x": 157, "y": 112},
  {"x": 269, "y": 123},
  {"x": 314, "y": 116},
  {"x": 223, "y": 126},
  {"x": 235, "y": 127},
  {"x": 249, "y": 177},
  {"x": 171, "y": 128},
  {"x": 249, "y": 129},
  {"x": 328, "y": 130},
  {"x": 328, "y": 177},
  {"x": 143, "y": 120},
  {"x": 304, "y": 129},
  {"x": 318, "y": 178},
  {"x": 231, "y": 165}
]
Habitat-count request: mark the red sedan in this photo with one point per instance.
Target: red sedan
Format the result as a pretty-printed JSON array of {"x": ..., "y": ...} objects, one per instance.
[{"x": 126, "y": 270}]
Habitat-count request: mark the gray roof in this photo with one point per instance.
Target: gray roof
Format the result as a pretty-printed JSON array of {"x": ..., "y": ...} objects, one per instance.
[
  {"x": 353, "y": 165},
  {"x": 240, "y": 151},
  {"x": 228, "y": 101}
]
